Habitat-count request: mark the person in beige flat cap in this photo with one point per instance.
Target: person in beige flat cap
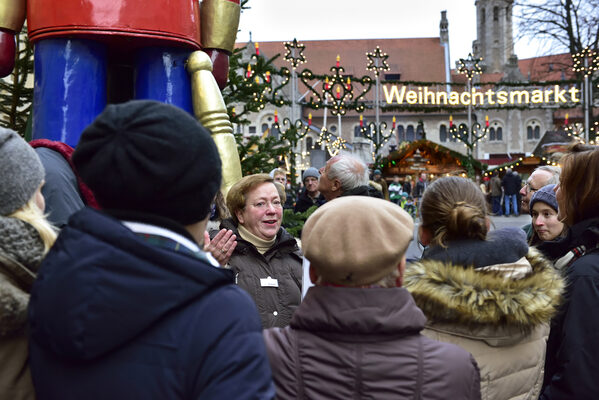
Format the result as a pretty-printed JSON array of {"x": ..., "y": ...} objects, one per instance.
[{"x": 357, "y": 332}]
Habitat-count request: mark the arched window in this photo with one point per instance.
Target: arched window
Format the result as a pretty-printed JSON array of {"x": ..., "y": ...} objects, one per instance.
[
  {"x": 274, "y": 132},
  {"x": 264, "y": 127},
  {"x": 401, "y": 135},
  {"x": 533, "y": 130},
  {"x": 495, "y": 13},
  {"x": 495, "y": 132},
  {"x": 309, "y": 143},
  {"x": 463, "y": 132},
  {"x": 358, "y": 131},
  {"x": 443, "y": 133},
  {"x": 410, "y": 133}
]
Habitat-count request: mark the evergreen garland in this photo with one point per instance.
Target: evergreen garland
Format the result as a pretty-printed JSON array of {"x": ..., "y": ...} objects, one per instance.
[
  {"x": 15, "y": 97},
  {"x": 294, "y": 222}
]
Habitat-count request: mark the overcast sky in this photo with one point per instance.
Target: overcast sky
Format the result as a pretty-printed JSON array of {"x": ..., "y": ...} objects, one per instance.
[{"x": 280, "y": 20}]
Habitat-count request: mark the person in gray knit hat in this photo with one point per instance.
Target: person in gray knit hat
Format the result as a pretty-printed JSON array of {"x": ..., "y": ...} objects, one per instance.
[
  {"x": 21, "y": 170},
  {"x": 25, "y": 237},
  {"x": 310, "y": 196},
  {"x": 544, "y": 210}
]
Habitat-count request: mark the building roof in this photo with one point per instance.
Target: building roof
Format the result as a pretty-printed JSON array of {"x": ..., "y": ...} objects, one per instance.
[
  {"x": 416, "y": 59},
  {"x": 547, "y": 68}
]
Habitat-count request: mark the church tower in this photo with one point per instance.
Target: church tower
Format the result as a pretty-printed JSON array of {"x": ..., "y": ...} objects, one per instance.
[{"x": 494, "y": 34}]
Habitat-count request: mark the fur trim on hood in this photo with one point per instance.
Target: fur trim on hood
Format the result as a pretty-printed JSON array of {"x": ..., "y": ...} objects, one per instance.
[{"x": 457, "y": 294}]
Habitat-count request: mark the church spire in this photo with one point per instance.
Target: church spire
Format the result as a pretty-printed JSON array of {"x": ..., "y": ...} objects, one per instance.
[{"x": 494, "y": 41}]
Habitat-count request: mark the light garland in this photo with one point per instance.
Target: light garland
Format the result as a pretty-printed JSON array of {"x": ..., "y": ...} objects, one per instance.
[
  {"x": 295, "y": 53},
  {"x": 587, "y": 56},
  {"x": 377, "y": 61}
]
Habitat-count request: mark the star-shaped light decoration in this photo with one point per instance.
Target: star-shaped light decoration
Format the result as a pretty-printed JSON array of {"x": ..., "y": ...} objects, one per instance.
[
  {"x": 295, "y": 53},
  {"x": 377, "y": 61},
  {"x": 586, "y": 56},
  {"x": 469, "y": 66}
]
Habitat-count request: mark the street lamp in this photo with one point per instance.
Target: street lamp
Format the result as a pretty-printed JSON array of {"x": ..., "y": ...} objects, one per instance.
[
  {"x": 586, "y": 62},
  {"x": 377, "y": 63},
  {"x": 295, "y": 56},
  {"x": 470, "y": 67}
]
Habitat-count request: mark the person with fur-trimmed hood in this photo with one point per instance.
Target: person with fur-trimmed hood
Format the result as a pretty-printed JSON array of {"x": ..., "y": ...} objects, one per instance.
[
  {"x": 485, "y": 291},
  {"x": 357, "y": 334}
]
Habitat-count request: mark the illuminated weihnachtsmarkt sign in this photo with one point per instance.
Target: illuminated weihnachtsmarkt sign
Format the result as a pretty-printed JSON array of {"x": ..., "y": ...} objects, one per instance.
[{"x": 399, "y": 94}]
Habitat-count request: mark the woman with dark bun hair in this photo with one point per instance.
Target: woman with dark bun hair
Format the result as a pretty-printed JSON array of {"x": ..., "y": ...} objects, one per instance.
[
  {"x": 483, "y": 290},
  {"x": 572, "y": 364}
]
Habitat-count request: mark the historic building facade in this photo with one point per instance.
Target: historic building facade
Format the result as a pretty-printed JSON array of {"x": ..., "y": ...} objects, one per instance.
[{"x": 422, "y": 66}]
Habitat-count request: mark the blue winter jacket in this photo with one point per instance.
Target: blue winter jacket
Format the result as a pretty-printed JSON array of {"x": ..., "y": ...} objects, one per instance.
[{"x": 114, "y": 317}]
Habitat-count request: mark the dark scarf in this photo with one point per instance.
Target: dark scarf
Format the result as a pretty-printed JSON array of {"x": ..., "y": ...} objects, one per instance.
[{"x": 502, "y": 246}]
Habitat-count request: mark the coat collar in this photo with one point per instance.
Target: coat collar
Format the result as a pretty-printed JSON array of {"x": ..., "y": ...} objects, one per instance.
[
  {"x": 361, "y": 312},
  {"x": 451, "y": 292},
  {"x": 284, "y": 241}
]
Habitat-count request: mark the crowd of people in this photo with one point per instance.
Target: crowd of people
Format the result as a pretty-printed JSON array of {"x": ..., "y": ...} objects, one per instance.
[{"x": 139, "y": 276}]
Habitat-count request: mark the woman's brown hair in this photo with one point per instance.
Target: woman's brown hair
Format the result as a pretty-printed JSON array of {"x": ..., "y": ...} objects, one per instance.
[
  {"x": 236, "y": 196},
  {"x": 454, "y": 208},
  {"x": 579, "y": 184}
]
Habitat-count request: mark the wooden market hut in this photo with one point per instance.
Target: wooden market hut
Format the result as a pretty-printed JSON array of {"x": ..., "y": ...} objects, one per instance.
[{"x": 413, "y": 158}]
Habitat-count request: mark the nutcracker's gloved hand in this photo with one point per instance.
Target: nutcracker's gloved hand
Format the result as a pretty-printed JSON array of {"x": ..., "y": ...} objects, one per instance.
[
  {"x": 220, "y": 66},
  {"x": 7, "y": 52}
]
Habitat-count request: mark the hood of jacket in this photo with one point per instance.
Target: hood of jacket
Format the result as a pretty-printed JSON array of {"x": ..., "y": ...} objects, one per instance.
[
  {"x": 456, "y": 293},
  {"x": 102, "y": 285},
  {"x": 365, "y": 314}
]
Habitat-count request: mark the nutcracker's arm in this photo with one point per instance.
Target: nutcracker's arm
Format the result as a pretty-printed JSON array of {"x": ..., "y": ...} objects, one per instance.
[
  {"x": 219, "y": 21},
  {"x": 12, "y": 17},
  {"x": 209, "y": 108}
]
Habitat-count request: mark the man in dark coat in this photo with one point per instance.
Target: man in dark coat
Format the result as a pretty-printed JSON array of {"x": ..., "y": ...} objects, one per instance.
[
  {"x": 357, "y": 334},
  {"x": 511, "y": 183},
  {"x": 127, "y": 305},
  {"x": 496, "y": 193},
  {"x": 310, "y": 196},
  {"x": 420, "y": 186}
]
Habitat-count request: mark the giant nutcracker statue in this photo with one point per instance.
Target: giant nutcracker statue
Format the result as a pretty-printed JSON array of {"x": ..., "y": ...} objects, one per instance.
[{"x": 93, "y": 52}]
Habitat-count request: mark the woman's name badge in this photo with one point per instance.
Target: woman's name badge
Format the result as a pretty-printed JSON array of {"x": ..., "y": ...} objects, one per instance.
[{"x": 269, "y": 282}]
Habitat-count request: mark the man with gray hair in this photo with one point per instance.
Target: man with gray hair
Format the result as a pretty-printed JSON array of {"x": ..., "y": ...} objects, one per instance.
[
  {"x": 541, "y": 176},
  {"x": 344, "y": 175}
]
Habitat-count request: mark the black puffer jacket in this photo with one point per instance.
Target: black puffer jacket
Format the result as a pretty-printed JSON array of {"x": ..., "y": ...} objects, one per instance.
[
  {"x": 573, "y": 347},
  {"x": 304, "y": 201},
  {"x": 511, "y": 184},
  {"x": 283, "y": 262}
]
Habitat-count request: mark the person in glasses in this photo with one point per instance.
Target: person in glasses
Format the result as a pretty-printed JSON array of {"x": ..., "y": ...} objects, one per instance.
[{"x": 541, "y": 176}]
